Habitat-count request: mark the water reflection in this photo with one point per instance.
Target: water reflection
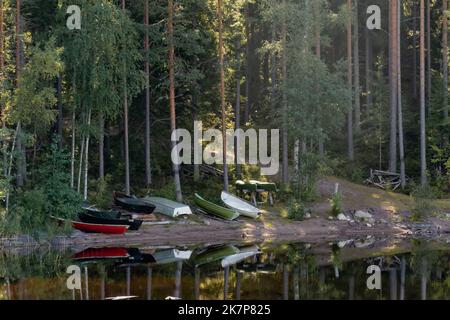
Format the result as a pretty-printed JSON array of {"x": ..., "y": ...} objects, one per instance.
[{"x": 416, "y": 270}]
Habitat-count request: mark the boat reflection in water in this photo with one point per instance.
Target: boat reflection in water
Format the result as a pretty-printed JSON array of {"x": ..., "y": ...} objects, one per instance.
[{"x": 231, "y": 271}]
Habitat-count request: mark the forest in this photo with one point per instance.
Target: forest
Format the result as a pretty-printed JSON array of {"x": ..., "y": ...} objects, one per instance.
[{"x": 89, "y": 110}]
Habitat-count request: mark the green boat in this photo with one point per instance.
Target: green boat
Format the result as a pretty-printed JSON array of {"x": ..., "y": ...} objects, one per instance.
[
  {"x": 265, "y": 186},
  {"x": 214, "y": 254},
  {"x": 246, "y": 186},
  {"x": 214, "y": 209}
]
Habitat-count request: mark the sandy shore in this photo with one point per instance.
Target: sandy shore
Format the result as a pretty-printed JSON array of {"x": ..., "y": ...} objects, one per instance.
[{"x": 389, "y": 210}]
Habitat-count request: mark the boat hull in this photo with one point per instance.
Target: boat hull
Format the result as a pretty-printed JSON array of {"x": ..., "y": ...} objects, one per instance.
[
  {"x": 168, "y": 207},
  {"x": 215, "y": 209},
  {"x": 132, "y": 204},
  {"x": 99, "y": 228},
  {"x": 243, "y": 207},
  {"x": 89, "y": 217}
]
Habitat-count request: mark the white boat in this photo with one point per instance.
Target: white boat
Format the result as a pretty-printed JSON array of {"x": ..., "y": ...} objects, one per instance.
[
  {"x": 239, "y": 257},
  {"x": 171, "y": 255},
  {"x": 168, "y": 207},
  {"x": 243, "y": 207}
]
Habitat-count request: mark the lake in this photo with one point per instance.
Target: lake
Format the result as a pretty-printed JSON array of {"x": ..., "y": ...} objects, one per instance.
[{"x": 410, "y": 269}]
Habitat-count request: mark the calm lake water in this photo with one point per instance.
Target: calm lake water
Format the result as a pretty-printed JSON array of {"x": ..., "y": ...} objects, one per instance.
[{"x": 411, "y": 270}]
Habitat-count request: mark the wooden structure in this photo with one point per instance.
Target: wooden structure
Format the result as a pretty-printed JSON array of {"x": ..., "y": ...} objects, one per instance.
[
  {"x": 384, "y": 180},
  {"x": 256, "y": 188},
  {"x": 205, "y": 170}
]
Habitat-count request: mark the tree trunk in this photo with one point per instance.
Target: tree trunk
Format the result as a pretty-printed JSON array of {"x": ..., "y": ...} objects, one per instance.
[
  {"x": 318, "y": 46},
  {"x": 101, "y": 148},
  {"x": 176, "y": 171},
  {"x": 350, "y": 145},
  {"x": 60, "y": 112},
  {"x": 402, "y": 278},
  {"x": 247, "y": 71},
  {"x": 125, "y": 123},
  {"x": 72, "y": 155},
  {"x": 2, "y": 66},
  {"x": 415, "y": 51},
  {"x": 357, "y": 73},
  {"x": 423, "y": 164},
  {"x": 86, "y": 160},
  {"x": 428, "y": 52},
  {"x": 393, "y": 79},
  {"x": 285, "y": 169},
  {"x": 368, "y": 67},
  {"x": 400, "y": 106},
  {"x": 423, "y": 276},
  {"x": 178, "y": 274},
  {"x": 226, "y": 280},
  {"x": 148, "y": 168},
  {"x": 393, "y": 283},
  {"x": 445, "y": 57},
  {"x": 20, "y": 178},
  {"x": 237, "y": 112},
  {"x": 80, "y": 165},
  {"x": 285, "y": 282},
  {"x": 222, "y": 96}
]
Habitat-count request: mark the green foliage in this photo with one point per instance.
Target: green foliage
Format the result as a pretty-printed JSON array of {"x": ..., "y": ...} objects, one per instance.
[
  {"x": 36, "y": 94},
  {"x": 336, "y": 204},
  {"x": 103, "y": 194},
  {"x": 423, "y": 197},
  {"x": 296, "y": 210},
  {"x": 31, "y": 209}
]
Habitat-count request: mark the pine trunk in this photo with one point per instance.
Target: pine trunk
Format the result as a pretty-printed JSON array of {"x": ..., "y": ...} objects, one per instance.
[
  {"x": 20, "y": 177},
  {"x": 414, "y": 48},
  {"x": 445, "y": 56},
  {"x": 248, "y": 70},
  {"x": 101, "y": 148},
  {"x": 318, "y": 46},
  {"x": 125, "y": 123},
  {"x": 72, "y": 154},
  {"x": 400, "y": 106},
  {"x": 368, "y": 67},
  {"x": 428, "y": 52},
  {"x": 423, "y": 165},
  {"x": 393, "y": 79},
  {"x": 176, "y": 170},
  {"x": 285, "y": 101},
  {"x": 350, "y": 145},
  {"x": 357, "y": 72},
  {"x": 2, "y": 66},
  {"x": 86, "y": 160},
  {"x": 148, "y": 168},
  {"x": 60, "y": 112},
  {"x": 222, "y": 96},
  {"x": 237, "y": 112}
]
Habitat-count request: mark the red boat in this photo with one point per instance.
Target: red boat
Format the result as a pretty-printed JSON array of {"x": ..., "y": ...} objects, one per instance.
[
  {"x": 102, "y": 253},
  {"x": 100, "y": 228}
]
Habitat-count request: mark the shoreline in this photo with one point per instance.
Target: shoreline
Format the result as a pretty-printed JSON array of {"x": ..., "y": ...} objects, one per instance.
[
  {"x": 388, "y": 217},
  {"x": 214, "y": 232}
]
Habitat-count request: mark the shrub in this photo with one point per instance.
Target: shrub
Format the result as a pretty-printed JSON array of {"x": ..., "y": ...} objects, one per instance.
[
  {"x": 296, "y": 210},
  {"x": 336, "y": 204},
  {"x": 102, "y": 198},
  {"x": 31, "y": 209},
  {"x": 423, "y": 202}
]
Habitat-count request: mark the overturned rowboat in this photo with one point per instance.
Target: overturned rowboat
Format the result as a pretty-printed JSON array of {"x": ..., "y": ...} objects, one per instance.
[
  {"x": 92, "y": 215},
  {"x": 243, "y": 207},
  {"x": 171, "y": 255},
  {"x": 132, "y": 204},
  {"x": 243, "y": 255},
  {"x": 214, "y": 209},
  {"x": 213, "y": 254},
  {"x": 168, "y": 207}
]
